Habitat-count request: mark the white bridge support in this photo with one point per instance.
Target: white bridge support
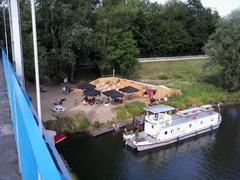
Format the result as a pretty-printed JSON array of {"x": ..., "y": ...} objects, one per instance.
[{"x": 16, "y": 41}]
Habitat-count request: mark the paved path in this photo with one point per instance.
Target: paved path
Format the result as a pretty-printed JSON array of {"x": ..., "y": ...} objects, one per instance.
[
  {"x": 176, "y": 58},
  {"x": 8, "y": 152}
]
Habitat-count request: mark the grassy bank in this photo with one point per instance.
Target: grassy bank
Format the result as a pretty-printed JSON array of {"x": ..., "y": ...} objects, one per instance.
[
  {"x": 196, "y": 81},
  {"x": 129, "y": 110},
  {"x": 80, "y": 123},
  {"x": 68, "y": 124}
]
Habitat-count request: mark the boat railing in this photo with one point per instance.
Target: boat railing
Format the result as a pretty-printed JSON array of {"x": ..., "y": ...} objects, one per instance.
[
  {"x": 207, "y": 108},
  {"x": 189, "y": 112}
]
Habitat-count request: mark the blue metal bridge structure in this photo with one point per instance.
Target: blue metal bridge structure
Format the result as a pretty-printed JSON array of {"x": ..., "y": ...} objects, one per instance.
[{"x": 36, "y": 155}]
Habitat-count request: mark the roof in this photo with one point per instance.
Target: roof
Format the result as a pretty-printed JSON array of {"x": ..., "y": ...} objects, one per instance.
[
  {"x": 129, "y": 89},
  {"x": 85, "y": 85},
  {"x": 113, "y": 94},
  {"x": 91, "y": 92},
  {"x": 159, "y": 108}
]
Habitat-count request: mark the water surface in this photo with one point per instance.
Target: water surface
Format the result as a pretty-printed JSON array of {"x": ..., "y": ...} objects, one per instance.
[{"x": 215, "y": 155}]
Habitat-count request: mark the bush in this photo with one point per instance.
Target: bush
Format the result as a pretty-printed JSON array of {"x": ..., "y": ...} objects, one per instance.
[
  {"x": 96, "y": 124},
  {"x": 68, "y": 124},
  {"x": 122, "y": 113},
  {"x": 128, "y": 110},
  {"x": 135, "y": 108}
]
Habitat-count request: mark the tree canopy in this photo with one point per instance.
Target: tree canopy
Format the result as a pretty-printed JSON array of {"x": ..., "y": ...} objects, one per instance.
[
  {"x": 111, "y": 34},
  {"x": 224, "y": 50}
]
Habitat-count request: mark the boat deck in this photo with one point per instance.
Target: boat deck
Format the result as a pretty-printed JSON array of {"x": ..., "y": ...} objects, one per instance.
[{"x": 177, "y": 119}]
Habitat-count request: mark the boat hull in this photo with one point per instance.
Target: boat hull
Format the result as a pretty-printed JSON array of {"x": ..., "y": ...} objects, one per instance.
[{"x": 159, "y": 143}]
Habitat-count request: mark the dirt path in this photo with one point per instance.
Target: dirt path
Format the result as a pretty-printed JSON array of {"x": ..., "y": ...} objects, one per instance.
[{"x": 176, "y": 58}]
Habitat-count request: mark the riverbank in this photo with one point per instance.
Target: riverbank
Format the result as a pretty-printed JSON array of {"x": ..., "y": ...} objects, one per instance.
[
  {"x": 192, "y": 77},
  {"x": 79, "y": 123},
  {"x": 197, "y": 82}
]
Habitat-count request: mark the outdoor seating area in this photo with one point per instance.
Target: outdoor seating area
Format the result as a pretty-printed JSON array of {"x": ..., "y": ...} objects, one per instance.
[
  {"x": 106, "y": 93},
  {"x": 114, "y": 90},
  {"x": 98, "y": 96}
]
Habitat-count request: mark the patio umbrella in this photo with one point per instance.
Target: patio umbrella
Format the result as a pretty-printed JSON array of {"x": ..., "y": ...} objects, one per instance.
[
  {"x": 92, "y": 92},
  {"x": 85, "y": 85},
  {"x": 129, "y": 89},
  {"x": 113, "y": 94}
]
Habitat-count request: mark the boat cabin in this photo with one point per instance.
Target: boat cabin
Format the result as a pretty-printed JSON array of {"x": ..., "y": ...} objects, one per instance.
[
  {"x": 158, "y": 113},
  {"x": 157, "y": 117}
]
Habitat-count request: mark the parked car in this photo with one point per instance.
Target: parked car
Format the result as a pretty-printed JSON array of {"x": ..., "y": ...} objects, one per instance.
[{"x": 58, "y": 109}]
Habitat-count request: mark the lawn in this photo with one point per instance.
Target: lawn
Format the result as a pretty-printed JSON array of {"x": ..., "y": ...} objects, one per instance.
[
  {"x": 193, "y": 77},
  {"x": 174, "y": 70}
]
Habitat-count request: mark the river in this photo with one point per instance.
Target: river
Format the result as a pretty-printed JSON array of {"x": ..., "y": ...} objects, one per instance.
[{"x": 215, "y": 155}]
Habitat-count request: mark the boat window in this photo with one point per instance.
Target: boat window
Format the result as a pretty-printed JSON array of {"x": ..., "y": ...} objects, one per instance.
[
  {"x": 201, "y": 122},
  {"x": 172, "y": 131},
  {"x": 190, "y": 125},
  {"x": 165, "y": 133},
  {"x": 211, "y": 119},
  {"x": 178, "y": 129},
  {"x": 153, "y": 127}
]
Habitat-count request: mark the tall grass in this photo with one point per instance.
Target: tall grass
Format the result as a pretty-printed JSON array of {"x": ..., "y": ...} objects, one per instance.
[{"x": 129, "y": 110}]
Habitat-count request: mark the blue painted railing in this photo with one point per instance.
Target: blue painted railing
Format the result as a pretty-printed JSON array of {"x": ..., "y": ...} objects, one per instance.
[{"x": 35, "y": 160}]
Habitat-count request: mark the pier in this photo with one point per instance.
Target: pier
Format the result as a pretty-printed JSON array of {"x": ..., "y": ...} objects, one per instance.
[{"x": 109, "y": 128}]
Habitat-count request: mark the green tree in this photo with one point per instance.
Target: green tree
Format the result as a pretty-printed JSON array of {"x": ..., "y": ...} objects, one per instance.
[
  {"x": 124, "y": 58},
  {"x": 110, "y": 34},
  {"x": 224, "y": 50},
  {"x": 201, "y": 22},
  {"x": 116, "y": 46}
]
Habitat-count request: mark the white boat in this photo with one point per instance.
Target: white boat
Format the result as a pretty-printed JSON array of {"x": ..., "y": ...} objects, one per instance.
[{"x": 163, "y": 127}]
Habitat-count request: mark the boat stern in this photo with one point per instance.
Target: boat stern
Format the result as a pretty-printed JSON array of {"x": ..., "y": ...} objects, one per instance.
[{"x": 129, "y": 139}]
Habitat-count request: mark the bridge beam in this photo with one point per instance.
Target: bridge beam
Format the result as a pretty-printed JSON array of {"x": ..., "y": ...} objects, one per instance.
[{"x": 16, "y": 41}]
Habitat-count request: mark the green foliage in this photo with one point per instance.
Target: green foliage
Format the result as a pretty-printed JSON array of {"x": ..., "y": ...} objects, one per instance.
[
  {"x": 121, "y": 113},
  {"x": 110, "y": 34},
  {"x": 224, "y": 51},
  {"x": 68, "y": 124},
  {"x": 128, "y": 110},
  {"x": 198, "y": 93},
  {"x": 96, "y": 124},
  {"x": 135, "y": 108},
  {"x": 136, "y": 133}
]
